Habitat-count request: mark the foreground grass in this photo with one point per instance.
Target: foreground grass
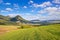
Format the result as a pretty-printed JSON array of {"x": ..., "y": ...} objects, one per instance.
[{"x": 50, "y": 32}]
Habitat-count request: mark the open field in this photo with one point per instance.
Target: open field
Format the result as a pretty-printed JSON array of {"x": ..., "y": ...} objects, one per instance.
[
  {"x": 50, "y": 32},
  {"x": 6, "y": 28}
]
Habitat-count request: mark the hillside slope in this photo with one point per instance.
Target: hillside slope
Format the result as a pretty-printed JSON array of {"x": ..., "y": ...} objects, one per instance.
[
  {"x": 7, "y": 20},
  {"x": 50, "y": 32}
]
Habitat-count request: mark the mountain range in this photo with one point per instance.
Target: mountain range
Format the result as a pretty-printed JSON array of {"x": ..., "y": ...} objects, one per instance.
[{"x": 7, "y": 20}]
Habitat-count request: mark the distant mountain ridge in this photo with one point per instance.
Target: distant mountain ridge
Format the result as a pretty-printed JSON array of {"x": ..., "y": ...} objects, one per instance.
[
  {"x": 7, "y": 20},
  {"x": 45, "y": 21},
  {"x": 35, "y": 20}
]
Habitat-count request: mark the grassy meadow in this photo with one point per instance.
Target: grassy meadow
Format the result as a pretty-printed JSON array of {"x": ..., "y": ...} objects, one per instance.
[{"x": 48, "y": 32}]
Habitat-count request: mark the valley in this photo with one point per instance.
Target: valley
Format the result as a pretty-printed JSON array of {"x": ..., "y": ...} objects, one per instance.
[{"x": 17, "y": 28}]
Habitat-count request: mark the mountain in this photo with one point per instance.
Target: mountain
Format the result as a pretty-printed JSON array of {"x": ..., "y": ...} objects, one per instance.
[
  {"x": 8, "y": 20},
  {"x": 17, "y": 18},
  {"x": 35, "y": 20},
  {"x": 53, "y": 21},
  {"x": 45, "y": 22},
  {"x": 5, "y": 20}
]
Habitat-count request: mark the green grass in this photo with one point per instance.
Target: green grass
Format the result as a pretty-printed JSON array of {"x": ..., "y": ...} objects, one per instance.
[{"x": 50, "y": 32}]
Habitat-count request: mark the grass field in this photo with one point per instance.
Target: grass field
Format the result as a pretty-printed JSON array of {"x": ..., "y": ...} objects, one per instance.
[
  {"x": 50, "y": 32},
  {"x": 6, "y": 28}
]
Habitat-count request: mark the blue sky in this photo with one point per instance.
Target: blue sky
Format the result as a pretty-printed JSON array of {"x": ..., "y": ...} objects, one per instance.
[{"x": 31, "y": 9}]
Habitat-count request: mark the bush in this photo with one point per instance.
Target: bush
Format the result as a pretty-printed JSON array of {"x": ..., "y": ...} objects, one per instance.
[{"x": 20, "y": 27}]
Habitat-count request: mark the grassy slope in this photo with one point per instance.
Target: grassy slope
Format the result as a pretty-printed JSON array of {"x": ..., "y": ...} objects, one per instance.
[{"x": 50, "y": 32}]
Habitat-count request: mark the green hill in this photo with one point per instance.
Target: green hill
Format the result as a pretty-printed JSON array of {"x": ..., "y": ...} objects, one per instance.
[
  {"x": 6, "y": 20},
  {"x": 50, "y": 32}
]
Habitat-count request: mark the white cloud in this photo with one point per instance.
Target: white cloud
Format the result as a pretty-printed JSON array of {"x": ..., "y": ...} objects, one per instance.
[
  {"x": 45, "y": 4},
  {"x": 29, "y": 16},
  {"x": 8, "y": 3},
  {"x": 35, "y": 5},
  {"x": 49, "y": 10},
  {"x": 30, "y": 2},
  {"x": 3, "y": 11},
  {"x": 41, "y": 11},
  {"x": 56, "y": 1},
  {"x": 9, "y": 9},
  {"x": 13, "y": 15},
  {"x": 6, "y": 10},
  {"x": 25, "y": 7},
  {"x": 52, "y": 13}
]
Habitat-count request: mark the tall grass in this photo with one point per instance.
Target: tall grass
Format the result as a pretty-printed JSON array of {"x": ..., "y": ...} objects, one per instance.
[{"x": 50, "y": 32}]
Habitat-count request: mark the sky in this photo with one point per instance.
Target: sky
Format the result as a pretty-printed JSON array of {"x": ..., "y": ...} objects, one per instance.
[{"x": 31, "y": 9}]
